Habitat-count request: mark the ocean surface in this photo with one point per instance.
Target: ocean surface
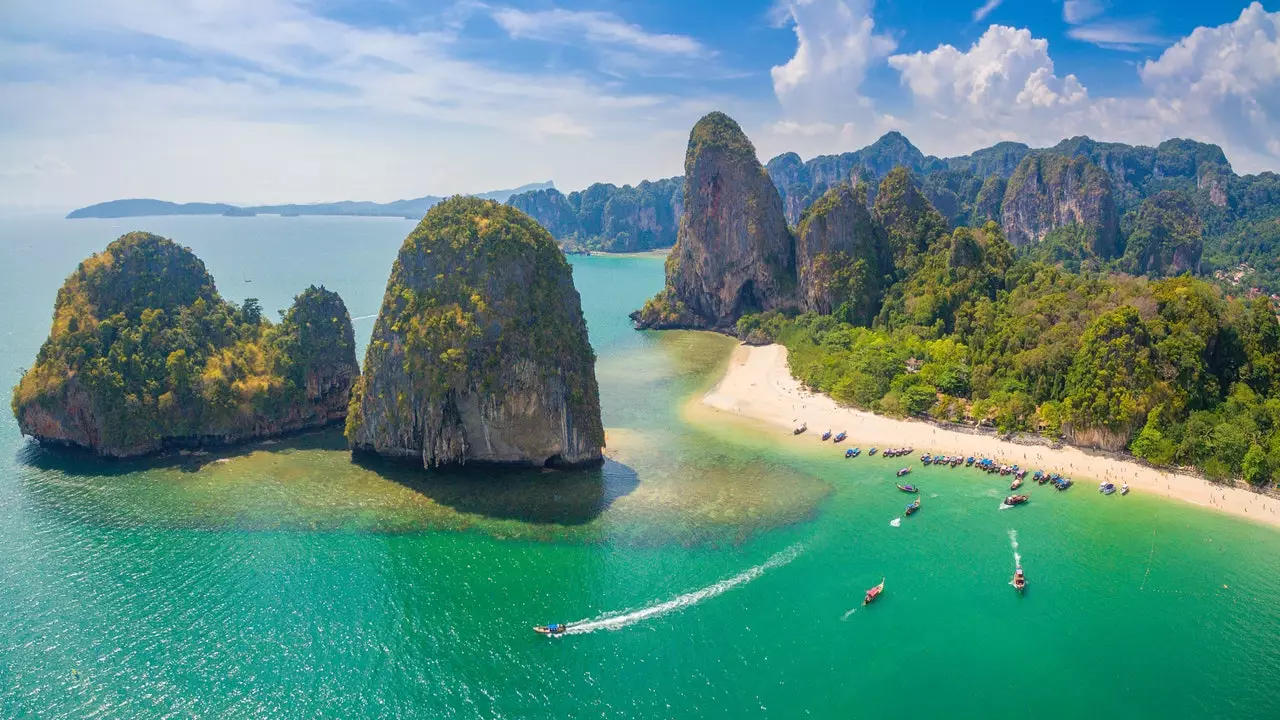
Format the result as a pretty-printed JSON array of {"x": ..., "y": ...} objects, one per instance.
[{"x": 717, "y": 567}]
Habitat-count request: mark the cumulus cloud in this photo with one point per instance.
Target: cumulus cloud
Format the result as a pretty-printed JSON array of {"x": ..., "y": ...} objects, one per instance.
[
  {"x": 1219, "y": 84},
  {"x": 835, "y": 44},
  {"x": 1005, "y": 69},
  {"x": 1224, "y": 82}
]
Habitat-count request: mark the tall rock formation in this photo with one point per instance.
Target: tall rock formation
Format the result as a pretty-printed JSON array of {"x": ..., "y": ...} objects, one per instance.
[
  {"x": 1167, "y": 237},
  {"x": 144, "y": 356},
  {"x": 735, "y": 254},
  {"x": 842, "y": 257},
  {"x": 911, "y": 221},
  {"x": 480, "y": 350},
  {"x": 1049, "y": 191},
  {"x": 607, "y": 217},
  {"x": 552, "y": 210}
]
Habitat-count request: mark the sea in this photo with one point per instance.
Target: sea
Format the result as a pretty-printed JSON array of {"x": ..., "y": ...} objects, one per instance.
[{"x": 713, "y": 568}]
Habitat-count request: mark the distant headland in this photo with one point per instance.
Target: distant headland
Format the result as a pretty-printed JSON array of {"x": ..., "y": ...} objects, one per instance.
[{"x": 412, "y": 209}]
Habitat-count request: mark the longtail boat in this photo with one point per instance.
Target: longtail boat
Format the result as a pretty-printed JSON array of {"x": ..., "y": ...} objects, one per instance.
[
  {"x": 1017, "y": 483},
  {"x": 1019, "y": 580},
  {"x": 913, "y": 506},
  {"x": 904, "y": 471},
  {"x": 908, "y": 488},
  {"x": 826, "y": 435},
  {"x": 873, "y": 593},
  {"x": 841, "y": 436},
  {"x": 1016, "y": 499},
  {"x": 552, "y": 630}
]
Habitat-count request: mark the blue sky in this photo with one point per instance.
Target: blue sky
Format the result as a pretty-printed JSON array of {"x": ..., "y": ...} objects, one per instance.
[{"x": 308, "y": 100}]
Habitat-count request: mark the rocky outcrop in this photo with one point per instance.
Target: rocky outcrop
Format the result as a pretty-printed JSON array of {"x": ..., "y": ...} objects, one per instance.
[
  {"x": 999, "y": 159},
  {"x": 609, "y": 218},
  {"x": 735, "y": 254},
  {"x": 552, "y": 210},
  {"x": 1167, "y": 237},
  {"x": 909, "y": 219},
  {"x": 1050, "y": 191},
  {"x": 842, "y": 257},
  {"x": 987, "y": 206},
  {"x": 480, "y": 352},
  {"x": 145, "y": 356}
]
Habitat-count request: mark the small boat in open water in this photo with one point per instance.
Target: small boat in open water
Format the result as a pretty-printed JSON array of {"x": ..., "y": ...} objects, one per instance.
[
  {"x": 913, "y": 506},
  {"x": 1017, "y": 483},
  {"x": 904, "y": 471},
  {"x": 1019, "y": 580},
  {"x": 552, "y": 630},
  {"x": 908, "y": 488},
  {"x": 1016, "y": 499},
  {"x": 873, "y": 593}
]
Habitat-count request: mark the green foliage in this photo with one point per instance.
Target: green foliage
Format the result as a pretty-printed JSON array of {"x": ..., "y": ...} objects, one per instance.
[
  {"x": 1166, "y": 237},
  {"x": 717, "y": 132},
  {"x": 142, "y": 332}
]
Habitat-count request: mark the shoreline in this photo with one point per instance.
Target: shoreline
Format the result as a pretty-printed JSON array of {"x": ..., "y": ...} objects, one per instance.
[{"x": 757, "y": 384}]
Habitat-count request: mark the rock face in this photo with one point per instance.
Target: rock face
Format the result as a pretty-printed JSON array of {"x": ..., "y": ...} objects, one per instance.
[
  {"x": 145, "y": 356},
  {"x": 609, "y": 218},
  {"x": 911, "y": 221},
  {"x": 842, "y": 257},
  {"x": 1167, "y": 237},
  {"x": 480, "y": 350},
  {"x": 552, "y": 210},
  {"x": 735, "y": 254},
  {"x": 1050, "y": 191}
]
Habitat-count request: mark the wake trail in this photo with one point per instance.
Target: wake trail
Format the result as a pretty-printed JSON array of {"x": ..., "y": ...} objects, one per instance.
[
  {"x": 619, "y": 620},
  {"x": 365, "y": 317},
  {"x": 1013, "y": 540}
]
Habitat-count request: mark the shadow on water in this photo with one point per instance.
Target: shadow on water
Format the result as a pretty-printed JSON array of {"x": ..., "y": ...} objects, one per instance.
[
  {"x": 530, "y": 495},
  {"x": 78, "y": 461}
]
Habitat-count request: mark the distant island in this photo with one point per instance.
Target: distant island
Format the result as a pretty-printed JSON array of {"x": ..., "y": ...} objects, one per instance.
[{"x": 411, "y": 209}]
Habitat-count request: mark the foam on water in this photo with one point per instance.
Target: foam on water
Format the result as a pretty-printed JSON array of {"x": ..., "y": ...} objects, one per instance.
[
  {"x": 619, "y": 620},
  {"x": 896, "y": 522},
  {"x": 1013, "y": 540}
]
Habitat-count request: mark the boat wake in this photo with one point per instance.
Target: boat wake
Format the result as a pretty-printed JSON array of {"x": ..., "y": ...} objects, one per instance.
[
  {"x": 1013, "y": 540},
  {"x": 364, "y": 317},
  {"x": 846, "y": 615},
  {"x": 619, "y": 620},
  {"x": 1005, "y": 506},
  {"x": 896, "y": 522}
]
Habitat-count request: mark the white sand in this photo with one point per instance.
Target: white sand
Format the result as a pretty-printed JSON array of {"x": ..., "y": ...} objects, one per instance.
[{"x": 758, "y": 384}]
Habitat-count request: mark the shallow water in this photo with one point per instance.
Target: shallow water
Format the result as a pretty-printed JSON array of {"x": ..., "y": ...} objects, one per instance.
[{"x": 718, "y": 568}]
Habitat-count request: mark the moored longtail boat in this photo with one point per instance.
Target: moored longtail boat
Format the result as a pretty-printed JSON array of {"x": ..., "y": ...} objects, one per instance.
[
  {"x": 1017, "y": 483},
  {"x": 873, "y": 593},
  {"x": 800, "y": 429},
  {"x": 841, "y": 436},
  {"x": 908, "y": 488},
  {"x": 904, "y": 471},
  {"x": 826, "y": 435},
  {"x": 913, "y": 506}
]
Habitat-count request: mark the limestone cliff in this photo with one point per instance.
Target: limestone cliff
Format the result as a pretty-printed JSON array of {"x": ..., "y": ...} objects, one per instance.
[
  {"x": 909, "y": 219},
  {"x": 1049, "y": 191},
  {"x": 842, "y": 257},
  {"x": 1167, "y": 237},
  {"x": 609, "y": 218},
  {"x": 552, "y": 210},
  {"x": 480, "y": 352},
  {"x": 735, "y": 254},
  {"x": 144, "y": 355}
]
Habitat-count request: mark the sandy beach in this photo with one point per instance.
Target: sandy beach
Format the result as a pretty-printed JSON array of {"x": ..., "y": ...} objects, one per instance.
[{"x": 758, "y": 385}]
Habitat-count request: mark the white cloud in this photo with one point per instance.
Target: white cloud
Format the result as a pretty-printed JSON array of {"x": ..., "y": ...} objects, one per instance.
[
  {"x": 1005, "y": 69},
  {"x": 1219, "y": 84},
  {"x": 1078, "y": 11},
  {"x": 1127, "y": 35},
  {"x": 981, "y": 13},
  {"x": 265, "y": 101},
  {"x": 561, "y": 25},
  {"x": 41, "y": 167},
  {"x": 559, "y": 124},
  {"x": 835, "y": 44}
]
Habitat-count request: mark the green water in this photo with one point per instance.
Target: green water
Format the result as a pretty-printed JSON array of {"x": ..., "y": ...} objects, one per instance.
[{"x": 721, "y": 561}]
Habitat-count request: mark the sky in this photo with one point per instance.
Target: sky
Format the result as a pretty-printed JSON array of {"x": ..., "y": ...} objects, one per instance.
[{"x": 270, "y": 101}]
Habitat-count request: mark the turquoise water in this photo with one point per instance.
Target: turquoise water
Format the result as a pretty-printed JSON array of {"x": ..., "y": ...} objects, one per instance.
[{"x": 718, "y": 561}]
